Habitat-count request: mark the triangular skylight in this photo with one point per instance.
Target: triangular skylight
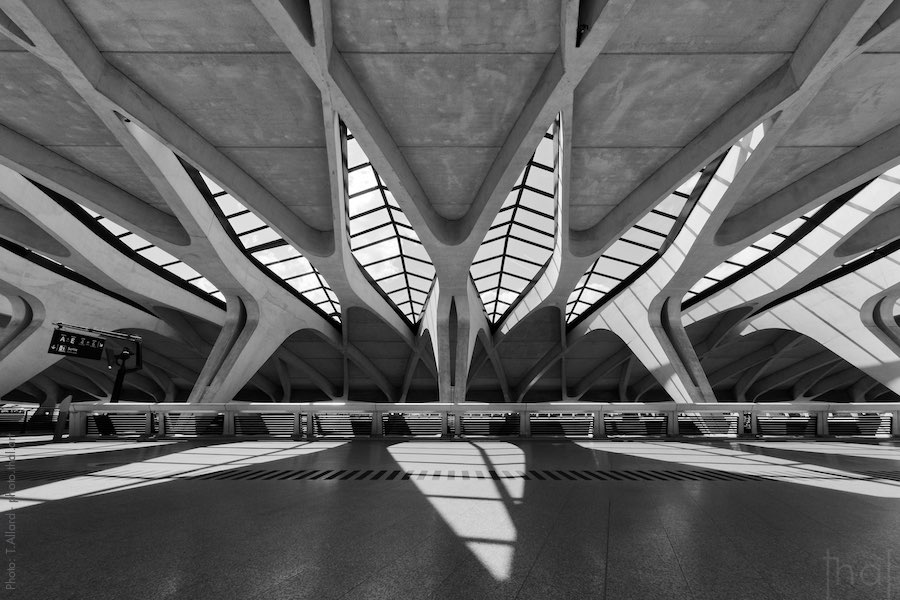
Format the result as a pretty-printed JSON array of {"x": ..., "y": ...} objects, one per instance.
[
  {"x": 520, "y": 240},
  {"x": 273, "y": 253},
  {"x": 133, "y": 245},
  {"x": 630, "y": 252},
  {"x": 381, "y": 237},
  {"x": 749, "y": 255}
]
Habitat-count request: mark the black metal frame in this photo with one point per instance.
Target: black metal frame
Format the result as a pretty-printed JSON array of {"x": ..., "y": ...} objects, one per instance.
[
  {"x": 77, "y": 211},
  {"x": 207, "y": 194}
]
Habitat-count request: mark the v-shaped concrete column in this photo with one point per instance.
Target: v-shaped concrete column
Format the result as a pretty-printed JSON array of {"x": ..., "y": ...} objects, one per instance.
[
  {"x": 261, "y": 314},
  {"x": 454, "y": 323}
]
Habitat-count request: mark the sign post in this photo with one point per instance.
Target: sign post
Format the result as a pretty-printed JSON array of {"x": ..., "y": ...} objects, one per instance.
[
  {"x": 76, "y": 345},
  {"x": 68, "y": 340}
]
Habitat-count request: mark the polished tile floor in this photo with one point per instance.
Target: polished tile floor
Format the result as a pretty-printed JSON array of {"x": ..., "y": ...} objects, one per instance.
[{"x": 453, "y": 519}]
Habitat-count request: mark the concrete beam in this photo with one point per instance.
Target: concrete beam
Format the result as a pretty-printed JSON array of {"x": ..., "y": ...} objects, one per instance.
[
  {"x": 319, "y": 380},
  {"x": 830, "y": 181},
  {"x": 839, "y": 315},
  {"x": 61, "y": 42},
  {"x": 20, "y": 320},
  {"x": 818, "y": 252},
  {"x": 72, "y": 234},
  {"x": 603, "y": 368},
  {"x": 53, "y": 298},
  {"x": 261, "y": 313},
  {"x": 770, "y": 382},
  {"x": 73, "y": 181},
  {"x": 646, "y": 315}
]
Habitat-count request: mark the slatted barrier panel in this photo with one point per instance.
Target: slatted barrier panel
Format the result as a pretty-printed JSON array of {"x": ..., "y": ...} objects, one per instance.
[
  {"x": 705, "y": 424},
  {"x": 434, "y": 420},
  {"x": 859, "y": 424},
  {"x": 194, "y": 424},
  {"x": 342, "y": 424},
  {"x": 635, "y": 424},
  {"x": 794, "y": 424},
  {"x": 12, "y": 422},
  {"x": 490, "y": 424},
  {"x": 118, "y": 425},
  {"x": 411, "y": 424},
  {"x": 264, "y": 424},
  {"x": 562, "y": 424}
]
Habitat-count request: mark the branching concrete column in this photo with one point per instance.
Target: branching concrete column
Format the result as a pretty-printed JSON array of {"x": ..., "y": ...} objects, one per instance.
[
  {"x": 261, "y": 314},
  {"x": 454, "y": 323},
  {"x": 643, "y": 317}
]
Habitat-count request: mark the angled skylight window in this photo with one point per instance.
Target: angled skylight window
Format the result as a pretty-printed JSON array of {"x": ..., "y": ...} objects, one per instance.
[
  {"x": 156, "y": 255},
  {"x": 273, "y": 253},
  {"x": 381, "y": 237},
  {"x": 630, "y": 252},
  {"x": 520, "y": 240},
  {"x": 749, "y": 255},
  {"x": 61, "y": 269}
]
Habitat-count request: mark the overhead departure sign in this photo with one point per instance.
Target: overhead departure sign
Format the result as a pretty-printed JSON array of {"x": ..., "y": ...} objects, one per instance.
[{"x": 76, "y": 345}]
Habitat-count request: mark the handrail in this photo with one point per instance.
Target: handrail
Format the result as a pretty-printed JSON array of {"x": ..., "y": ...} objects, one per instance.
[
  {"x": 543, "y": 407},
  {"x": 744, "y": 418}
]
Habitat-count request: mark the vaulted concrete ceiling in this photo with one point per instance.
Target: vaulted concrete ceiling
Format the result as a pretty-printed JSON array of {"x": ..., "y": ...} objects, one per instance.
[{"x": 505, "y": 201}]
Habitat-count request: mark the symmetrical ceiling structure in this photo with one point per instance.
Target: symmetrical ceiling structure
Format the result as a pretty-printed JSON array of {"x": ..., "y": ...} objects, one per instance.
[{"x": 608, "y": 200}]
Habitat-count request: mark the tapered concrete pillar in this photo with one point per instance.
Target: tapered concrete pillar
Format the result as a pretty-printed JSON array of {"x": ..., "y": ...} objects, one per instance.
[{"x": 261, "y": 314}]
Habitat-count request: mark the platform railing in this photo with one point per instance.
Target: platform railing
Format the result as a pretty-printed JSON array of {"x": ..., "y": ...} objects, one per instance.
[{"x": 561, "y": 419}]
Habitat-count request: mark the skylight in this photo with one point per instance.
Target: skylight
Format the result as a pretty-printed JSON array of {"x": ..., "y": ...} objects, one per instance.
[
  {"x": 273, "y": 253},
  {"x": 630, "y": 252},
  {"x": 381, "y": 237},
  {"x": 520, "y": 240},
  {"x": 156, "y": 255},
  {"x": 749, "y": 255}
]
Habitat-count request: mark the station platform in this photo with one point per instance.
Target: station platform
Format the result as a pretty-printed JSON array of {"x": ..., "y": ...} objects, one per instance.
[{"x": 468, "y": 519}]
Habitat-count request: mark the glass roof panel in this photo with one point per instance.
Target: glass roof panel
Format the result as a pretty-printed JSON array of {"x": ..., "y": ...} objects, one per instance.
[
  {"x": 257, "y": 238},
  {"x": 522, "y": 235},
  {"x": 182, "y": 270},
  {"x": 623, "y": 258},
  {"x": 159, "y": 257},
  {"x": 229, "y": 205},
  {"x": 113, "y": 228},
  {"x": 245, "y": 222},
  {"x": 741, "y": 262},
  {"x": 381, "y": 238},
  {"x": 272, "y": 253}
]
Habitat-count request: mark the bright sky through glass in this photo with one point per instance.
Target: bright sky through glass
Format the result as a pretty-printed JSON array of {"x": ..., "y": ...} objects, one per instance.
[
  {"x": 749, "y": 255},
  {"x": 156, "y": 255},
  {"x": 520, "y": 240},
  {"x": 630, "y": 252},
  {"x": 381, "y": 237},
  {"x": 274, "y": 253}
]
